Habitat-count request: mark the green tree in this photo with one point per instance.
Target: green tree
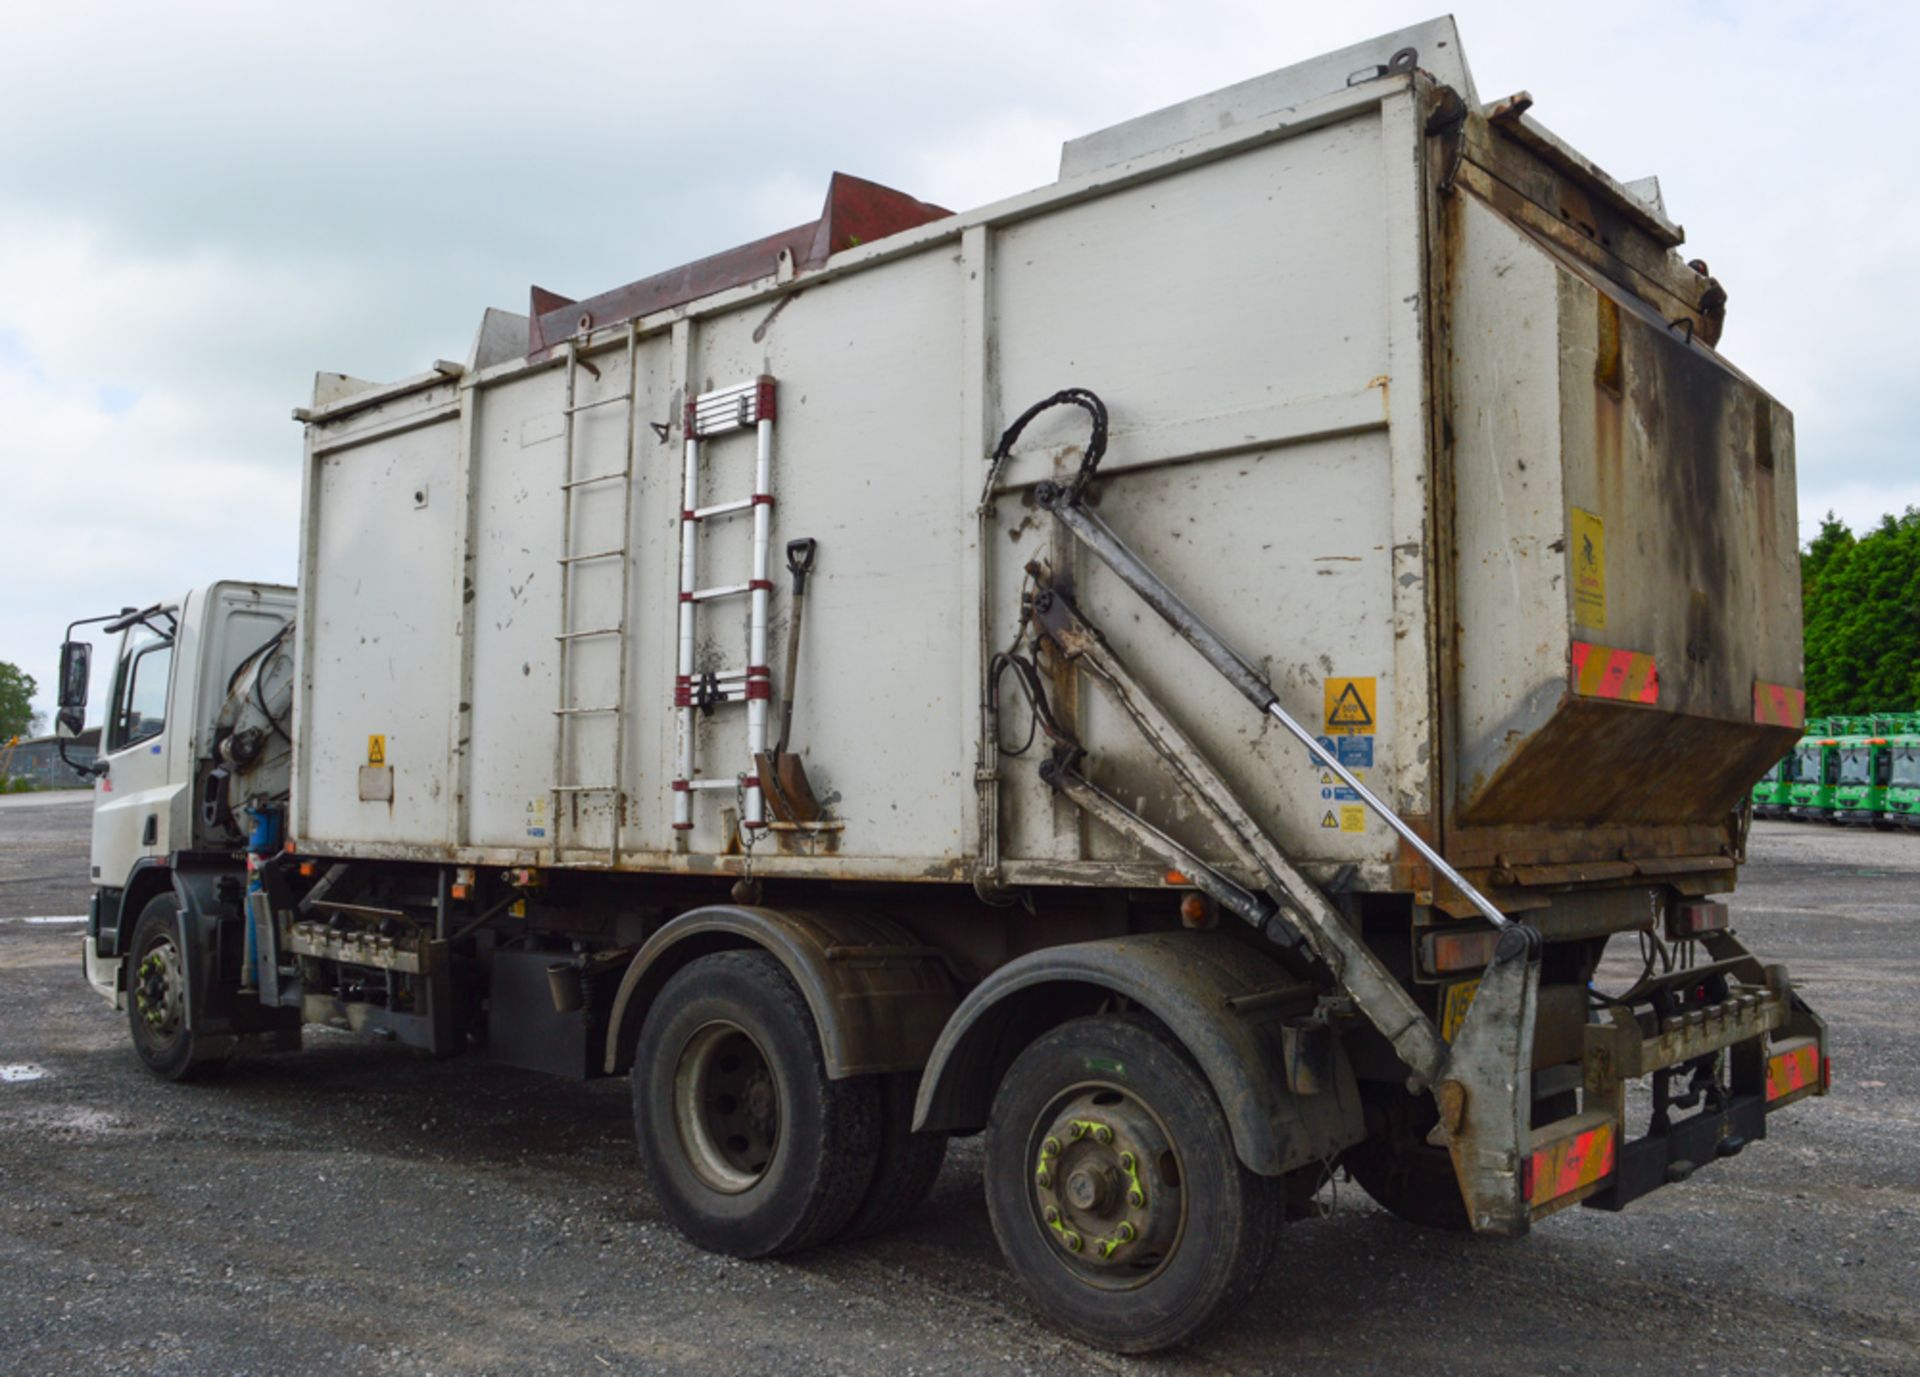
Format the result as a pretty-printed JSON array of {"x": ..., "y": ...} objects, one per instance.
[
  {"x": 16, "y": 701},
  {"x": 1861, "y": 600}
]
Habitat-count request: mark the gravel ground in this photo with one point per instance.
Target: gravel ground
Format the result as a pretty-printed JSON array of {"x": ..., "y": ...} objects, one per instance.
[{"x": 357, "y": 1209}]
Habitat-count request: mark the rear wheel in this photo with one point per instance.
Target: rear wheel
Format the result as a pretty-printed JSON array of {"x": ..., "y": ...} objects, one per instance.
[
  {"x": 1400, "y": 1169},
  {"x": 909, "y": 1162},
  {"x": 749, "y": 1147},
  {"x": 1114, "y": 1189},
  {"x": 157, "y": 1009}
]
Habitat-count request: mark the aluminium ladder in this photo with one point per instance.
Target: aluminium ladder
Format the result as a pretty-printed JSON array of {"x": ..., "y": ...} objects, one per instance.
[
  {"x": 709, "y": 416},
  {"x": 567, "y": 792}
]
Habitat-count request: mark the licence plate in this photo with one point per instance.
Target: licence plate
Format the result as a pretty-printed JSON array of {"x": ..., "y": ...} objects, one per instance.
[{"x": 1454, "y": 1003}]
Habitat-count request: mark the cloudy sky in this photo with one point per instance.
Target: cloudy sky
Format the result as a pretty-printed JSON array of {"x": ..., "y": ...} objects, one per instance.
[{"x": 202, "y": 204}]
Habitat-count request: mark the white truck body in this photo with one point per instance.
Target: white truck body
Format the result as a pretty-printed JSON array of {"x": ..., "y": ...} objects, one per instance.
[{"x": 1357, "y": 420}]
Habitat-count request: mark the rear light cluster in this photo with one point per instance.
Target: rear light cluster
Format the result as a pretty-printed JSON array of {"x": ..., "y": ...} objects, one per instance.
[
  {"x": 1442, "y": 952},
  {"x": 1694, "y": 917}
]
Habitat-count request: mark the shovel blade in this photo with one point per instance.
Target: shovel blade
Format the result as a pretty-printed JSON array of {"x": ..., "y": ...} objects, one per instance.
[{"x": 784, "y": 785}]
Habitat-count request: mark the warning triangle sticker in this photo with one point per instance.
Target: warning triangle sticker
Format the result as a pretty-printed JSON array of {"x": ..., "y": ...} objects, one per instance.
[
  {"x": 1349, "y": 710},
  {"x": 1330, "y": 821}
]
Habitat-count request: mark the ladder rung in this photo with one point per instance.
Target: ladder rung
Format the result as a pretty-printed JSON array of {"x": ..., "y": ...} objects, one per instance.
[
  {"x": 604, "y": 401},
  {"x": 730, "y": 590},
  {"x": 745, "y": 504},
  {"x": 597, "y": 554},
  {"x": 726, "y": 783},
  {"x": 584, "y": 635},
  {"x": 597, "y": 478},
  {"x": 581, "y": 712},
  {"x": 586, "y": 788}
]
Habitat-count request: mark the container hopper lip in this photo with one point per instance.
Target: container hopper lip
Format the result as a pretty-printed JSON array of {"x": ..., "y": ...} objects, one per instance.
[
  {"x": 856, "y": 212},
  {"x": 1511, "y": 119}
]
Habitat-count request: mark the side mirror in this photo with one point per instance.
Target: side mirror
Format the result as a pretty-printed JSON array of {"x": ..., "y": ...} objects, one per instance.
[
  {"x": 76, "y": 664},
  {"x": 69, "y": 723}
]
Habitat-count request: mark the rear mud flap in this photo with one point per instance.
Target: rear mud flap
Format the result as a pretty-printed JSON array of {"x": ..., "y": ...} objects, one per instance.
[{"x": 1485, "y": 1098}]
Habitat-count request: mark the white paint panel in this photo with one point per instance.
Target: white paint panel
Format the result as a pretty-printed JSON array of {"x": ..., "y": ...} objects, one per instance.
[{"x": 382, "y": 611}]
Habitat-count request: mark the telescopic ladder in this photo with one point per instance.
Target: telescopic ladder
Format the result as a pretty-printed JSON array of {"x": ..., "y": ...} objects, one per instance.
[
  {"x": 569, "y": 791},
  {"x": 729, "y": 411}
]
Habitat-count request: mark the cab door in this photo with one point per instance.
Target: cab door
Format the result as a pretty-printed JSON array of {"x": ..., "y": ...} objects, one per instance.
[{"x": 136, "y": 800}]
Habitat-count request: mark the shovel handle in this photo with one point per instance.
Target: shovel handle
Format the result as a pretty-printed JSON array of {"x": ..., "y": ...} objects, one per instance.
[{"x": 800, "y": 563}]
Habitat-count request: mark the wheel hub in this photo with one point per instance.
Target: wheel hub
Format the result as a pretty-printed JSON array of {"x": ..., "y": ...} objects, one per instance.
[
  {"x": 1107, "y": 1208},
  {"x": 158, "y": 988},
  {"x": 726, "y": 1107}
]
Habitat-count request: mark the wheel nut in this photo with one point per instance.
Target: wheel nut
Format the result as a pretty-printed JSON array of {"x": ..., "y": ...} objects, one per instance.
[
  {"x": 1050, "y": 1148},
  {"x": 1102, "y": 1134},
  {"x": 1044, "y": 1178},
  {"x": 1126, "y": 1161},
  {"x": 1073, "y": 1242},
  {"x": 1135, "y": 1198},
  {"x": 1051, "y": 1215},
  {"x": 1077, "y": 1131},
  {"x": 1125, "y": 1232}
]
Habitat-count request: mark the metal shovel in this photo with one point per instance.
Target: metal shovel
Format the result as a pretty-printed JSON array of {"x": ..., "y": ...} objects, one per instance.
[{"x": 783, "y": 778}]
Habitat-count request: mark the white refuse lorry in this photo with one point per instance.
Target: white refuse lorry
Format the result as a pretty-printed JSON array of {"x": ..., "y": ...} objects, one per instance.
[{"x": 1278, "y": 601}]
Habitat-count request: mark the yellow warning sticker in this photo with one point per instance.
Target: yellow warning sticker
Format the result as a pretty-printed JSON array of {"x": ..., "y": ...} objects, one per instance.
[
  {"x": 1589, "y": 569},
  {"x": 376, "y": 750},
  {"x": 1350, "y": 706},
  {"x": 1353, "y": 818},
  {"x": 1454, "y": 1003},
  {"x": 1330, "y": 822}
]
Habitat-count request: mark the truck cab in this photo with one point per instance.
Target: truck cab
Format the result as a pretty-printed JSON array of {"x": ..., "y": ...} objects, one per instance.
[
  {"x": 1860, "y": 792},
  {"x": 1816, "y": 773},
  {"x": 1772, "y": 794},
  {"x": 1903, "y": 780},
  {"x": 157, "y": 800}
]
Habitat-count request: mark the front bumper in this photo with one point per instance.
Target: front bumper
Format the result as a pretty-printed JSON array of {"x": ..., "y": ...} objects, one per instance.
[{"x": 103, "y": 972}]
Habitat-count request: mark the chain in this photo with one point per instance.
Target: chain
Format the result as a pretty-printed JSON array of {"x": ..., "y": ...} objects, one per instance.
[{"x": 749, "y": 836}]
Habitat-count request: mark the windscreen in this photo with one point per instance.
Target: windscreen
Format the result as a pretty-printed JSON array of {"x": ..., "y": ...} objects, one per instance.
[
  {"x": 1906, "y": 765},
  {"x": 1855, "y": 762},
  {"x": 1806, "y": 764}
]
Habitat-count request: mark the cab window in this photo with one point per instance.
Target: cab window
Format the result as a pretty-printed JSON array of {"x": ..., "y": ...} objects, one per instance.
[{"x": 140, "y": 691}]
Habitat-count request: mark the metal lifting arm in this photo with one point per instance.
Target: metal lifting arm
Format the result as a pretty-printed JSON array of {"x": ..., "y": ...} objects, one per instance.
[
  {"x": 1099, "y": 537},
  {"x": 1379, "y": 996}
]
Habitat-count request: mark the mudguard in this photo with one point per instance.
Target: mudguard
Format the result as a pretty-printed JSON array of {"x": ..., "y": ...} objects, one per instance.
[
  {"x": 1280, "y": 1075},
  {"x": 879, "y": 995}
]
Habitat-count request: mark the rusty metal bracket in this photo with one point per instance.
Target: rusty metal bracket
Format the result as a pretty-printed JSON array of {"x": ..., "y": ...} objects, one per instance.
[{"x": 1486, "y": 1098}]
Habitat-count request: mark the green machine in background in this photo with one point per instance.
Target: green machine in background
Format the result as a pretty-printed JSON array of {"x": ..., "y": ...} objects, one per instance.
[
  {"x": 1814, "y": 770},
  {"x": 1773, "y": 795}
]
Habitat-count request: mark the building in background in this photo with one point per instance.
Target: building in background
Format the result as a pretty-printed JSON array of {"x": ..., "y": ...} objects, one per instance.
[{"x": 37, "y": 760}]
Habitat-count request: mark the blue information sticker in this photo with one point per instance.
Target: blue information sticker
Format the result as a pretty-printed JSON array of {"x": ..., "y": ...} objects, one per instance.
[{"x": 1354, "y": 752}]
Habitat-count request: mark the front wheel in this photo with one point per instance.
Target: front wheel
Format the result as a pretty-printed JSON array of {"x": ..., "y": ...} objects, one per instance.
[
  {"x": 1115, "y": 1191},
  {"x": 157, "y": 1009}
]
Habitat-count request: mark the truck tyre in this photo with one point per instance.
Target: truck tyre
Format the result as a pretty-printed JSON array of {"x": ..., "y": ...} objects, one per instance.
[
  {"x": 909, "y": 1162},
  {"x": 1405, "y": 1174},
  {"x": 157, "y": 1012},
  {"x": 1115, "y": 1191},
  {"x": 750, "y": 1149}
]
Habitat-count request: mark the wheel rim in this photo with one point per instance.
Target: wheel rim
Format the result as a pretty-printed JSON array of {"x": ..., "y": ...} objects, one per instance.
[
  {"x": 726, "y": 1107},
  {"x": 1106, "y": 1186},
  {"x": 159, "y": 989}
]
